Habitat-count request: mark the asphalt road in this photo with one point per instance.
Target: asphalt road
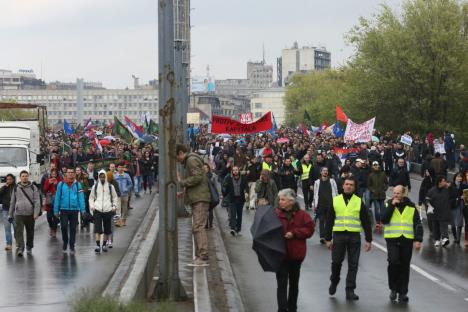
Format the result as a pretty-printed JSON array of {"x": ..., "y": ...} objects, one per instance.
[
  {"x": 439, "y": 277},
  {"x": 49, "y": 280}
]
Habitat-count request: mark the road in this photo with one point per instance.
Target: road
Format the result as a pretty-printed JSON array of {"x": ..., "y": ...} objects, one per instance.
[
  {"x": 439, "y": 277},
  {"x": 49, "y": 280}
]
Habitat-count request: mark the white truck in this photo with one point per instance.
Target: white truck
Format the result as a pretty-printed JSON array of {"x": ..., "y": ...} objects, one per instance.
[{"x": 20, "y": 143}]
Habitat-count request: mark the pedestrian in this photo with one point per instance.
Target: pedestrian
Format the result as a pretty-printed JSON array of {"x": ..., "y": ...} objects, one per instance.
[
  {"x": 439, "y": 165},
  {"x": 68, "y": 203},
  {"x": 325, "y": 189},
  {"x": 124, "y": 181},
  {"x": 377, "y": 183},
  {"x": 50, "y": 189},
  {"x": 110, "y": 179},
  {"x": 253, "y": 174},
  {"x": 305, "y": 170},
  {"x": 84, "y": 180},
  {"x": 343, "y": 225},
  {"x": 5, "y": 198},
  {"x": 266, "y": 189},
  {"x": 438, "y": 198},
  {"x": 400, "y": 176},
  {"x": 287, "y": 174},
  {"x": 234, "y": 189},
  {"x": 297, "y": 227},
  {"x": 211, "y": 179},
  {"x": 148, "y": 168},
  {"x": 102, "y": 202},
  {"x": 138, "y": 174},
  {"x": 197, "y": 195},
  {"x": 465, "y": 203},
  {"x": 345, "y": 172},
  {"x": 403, "y": 229},
  {"x": 427, "y": 183},
  {"x": 25, "y": 206},
  {"x": 457, "y": 205}
]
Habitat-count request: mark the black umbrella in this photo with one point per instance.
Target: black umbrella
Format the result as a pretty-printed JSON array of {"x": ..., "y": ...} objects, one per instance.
[{"x": 268, "y": 239}]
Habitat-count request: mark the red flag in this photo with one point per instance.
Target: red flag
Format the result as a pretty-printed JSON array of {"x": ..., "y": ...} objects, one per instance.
[{"x": 340, "y": 115}]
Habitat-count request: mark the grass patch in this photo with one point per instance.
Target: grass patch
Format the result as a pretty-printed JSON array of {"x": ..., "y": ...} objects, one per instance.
[{"x": 88, "y": 303}]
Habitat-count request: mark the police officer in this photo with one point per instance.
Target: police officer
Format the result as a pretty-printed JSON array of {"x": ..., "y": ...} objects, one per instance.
[
  {"x": 305, "y": 169},
  {"x": 345, "y": 220},
  {"x": 402, "y": 229}
]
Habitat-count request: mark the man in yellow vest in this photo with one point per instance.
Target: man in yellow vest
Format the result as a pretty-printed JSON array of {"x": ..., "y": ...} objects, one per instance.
[
  {"x": 344, "y": 223},
  {"x": 267, "y": 162},
  {"x": 305, "y": 169},
  {"x": 402, "y": 229}
]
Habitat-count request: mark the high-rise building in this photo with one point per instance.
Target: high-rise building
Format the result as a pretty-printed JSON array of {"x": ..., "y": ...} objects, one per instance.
[
  {"x": 259, "y": 74},
  {"x": 301, "y": 60},
  {"x": 269, "y": 100}
]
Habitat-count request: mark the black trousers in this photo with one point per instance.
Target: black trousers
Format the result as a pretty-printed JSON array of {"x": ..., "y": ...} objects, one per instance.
[
  {"x": 400, "y": 251},
  {"x": 345, "y": 242},
  {"x": 68, "y": 223},
  {"x": 235, "y": 215},
  {"x": 288, "y": 272},
  {"x": 52, "y": 219},
  {"x": 24, "y": 223},
  {"x": 308, "y": 194}
]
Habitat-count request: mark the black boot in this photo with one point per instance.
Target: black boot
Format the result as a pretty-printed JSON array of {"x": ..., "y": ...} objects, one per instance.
[
  {"x": 350, "y": 295},
  {"x": 393, "y": 296},
  {"x": 403, "y": 298},
  {"x": 332, "y": 289}
]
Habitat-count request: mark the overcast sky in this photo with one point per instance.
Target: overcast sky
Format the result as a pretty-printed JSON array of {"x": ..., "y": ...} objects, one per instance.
[{"x": 109, "y": 40}]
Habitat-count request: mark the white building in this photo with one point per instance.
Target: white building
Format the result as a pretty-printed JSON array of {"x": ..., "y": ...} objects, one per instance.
[
  {"x": 269, "y": 100},
  {"x": 23, "y": 79},
  {"x": 259, "y": 74},
  {"x": 101, "y": 105}
]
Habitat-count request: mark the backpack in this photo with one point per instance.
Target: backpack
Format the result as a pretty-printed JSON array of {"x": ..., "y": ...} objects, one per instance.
[{"x": 110, "y": 192}]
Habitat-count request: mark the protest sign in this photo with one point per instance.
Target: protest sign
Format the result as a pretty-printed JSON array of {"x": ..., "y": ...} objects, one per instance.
[
  {"x": 359, "y": 132},
  {"x": 246, "y": 118},
  {"x": 406, "y": 139},
  {"x": 221, "y": 124}
]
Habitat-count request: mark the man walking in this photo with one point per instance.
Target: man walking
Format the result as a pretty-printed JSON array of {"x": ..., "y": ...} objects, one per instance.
[
  {"x": 102, "y": 203},
  {"x": 25, "y": 206},
  {"x": 234, "y": 189},
  {"x": 305, "y": 170},
  {"x": 5, "y": 199},
  {"x": 325, "y": 190},
  {"x": 400, "y": 176},
  {"x": 403, "y": 228},
  {"x": 198, "y": 196},
  {"x": 253, "y": 174},
  {"x": 438, "y": 199},
  {"x": 124, "y": 181},
  {"x": 377, "y": 183},
  {"x": 345, "y": 220},
  {"x": 69, "y": 202}
]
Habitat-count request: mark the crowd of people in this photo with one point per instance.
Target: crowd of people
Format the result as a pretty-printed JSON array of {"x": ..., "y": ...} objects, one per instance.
[{"x": 84, "y": 183}]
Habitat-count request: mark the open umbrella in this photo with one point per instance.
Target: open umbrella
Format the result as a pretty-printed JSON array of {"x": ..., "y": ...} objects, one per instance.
[
  {"x": 148, "y": 139},
  {"x": 268, "y": 240},
  {"x": 104, "y": 142}
]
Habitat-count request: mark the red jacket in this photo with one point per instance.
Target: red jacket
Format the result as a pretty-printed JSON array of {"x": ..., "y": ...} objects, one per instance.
[
  {"x": 302, "y": 226},
  {"x": 50, "y": 188}
]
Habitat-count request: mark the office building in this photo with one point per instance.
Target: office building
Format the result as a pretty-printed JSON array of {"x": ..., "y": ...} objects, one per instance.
[
  {"x": 22, "y": 80},
  {"x": 269, "y": 100}
]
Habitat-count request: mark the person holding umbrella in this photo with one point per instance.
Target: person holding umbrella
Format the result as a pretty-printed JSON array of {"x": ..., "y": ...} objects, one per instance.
[{"x": 297, "y": 227}]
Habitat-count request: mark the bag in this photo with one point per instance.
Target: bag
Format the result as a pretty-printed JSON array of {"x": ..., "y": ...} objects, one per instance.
[
  {"x": 29, "y": 198},
  {"x": 214, "y": 195}
]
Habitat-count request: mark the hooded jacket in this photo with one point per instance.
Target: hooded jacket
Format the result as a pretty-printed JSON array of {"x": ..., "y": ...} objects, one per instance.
[
  {"x": 103, "y": 197},
  {"x": 20, "y": 204}
]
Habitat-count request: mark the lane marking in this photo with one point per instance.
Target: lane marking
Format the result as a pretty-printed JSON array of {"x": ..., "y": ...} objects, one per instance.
[{"x": 421, "y": 271}]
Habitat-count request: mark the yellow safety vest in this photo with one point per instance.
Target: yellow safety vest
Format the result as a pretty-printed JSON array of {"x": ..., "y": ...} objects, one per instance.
[
  {"x": 266, "y": 166},
  {"x": 305, "y": 171},
  {"x": 347, "y": 216},
  {"x": 401, "y": 224}
]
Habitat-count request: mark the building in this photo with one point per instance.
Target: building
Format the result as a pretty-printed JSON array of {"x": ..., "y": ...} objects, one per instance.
[
  {"x": 259, "y": 74},
  {"x": 87, "y": 85},
  {"x": 22, "y": 80},
  {"x": 301, "y": 60},
  {"x": 100, "y": 105},
  {"x": 269, "y": 100},
  {"x": 207, "y": 103}
]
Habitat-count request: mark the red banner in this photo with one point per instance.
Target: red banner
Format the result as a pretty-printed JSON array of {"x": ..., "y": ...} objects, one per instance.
[{"x": 221, "y": 124}]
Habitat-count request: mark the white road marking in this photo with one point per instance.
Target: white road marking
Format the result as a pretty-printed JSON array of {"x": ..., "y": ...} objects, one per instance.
[{"x": 421, "y": 271}]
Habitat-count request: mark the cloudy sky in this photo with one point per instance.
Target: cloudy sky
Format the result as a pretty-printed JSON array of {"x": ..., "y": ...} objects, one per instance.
[{"x": 109, "y": 40}]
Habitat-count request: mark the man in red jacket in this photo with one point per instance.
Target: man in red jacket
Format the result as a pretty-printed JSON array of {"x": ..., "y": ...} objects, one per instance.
[{"x": 297, "y": 226}]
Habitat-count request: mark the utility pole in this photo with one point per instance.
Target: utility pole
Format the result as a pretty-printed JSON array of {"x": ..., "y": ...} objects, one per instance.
[{"x": 169, "y": 285}]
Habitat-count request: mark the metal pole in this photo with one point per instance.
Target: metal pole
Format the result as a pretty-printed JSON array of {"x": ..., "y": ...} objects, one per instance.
[{"x": 169, "y": 286}]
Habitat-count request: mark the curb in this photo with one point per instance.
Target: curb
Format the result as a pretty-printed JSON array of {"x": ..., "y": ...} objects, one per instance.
[
  {"x": 233, "y": 295},
  {"x": 201, "y": 292},
  {"x": 129, "y": 280}
]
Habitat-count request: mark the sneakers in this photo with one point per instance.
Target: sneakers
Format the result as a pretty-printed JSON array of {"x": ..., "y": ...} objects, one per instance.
[
  {"x": 109, "y": 244},
  {"x": 19, "y": 252},
  {"x": 97, "y": 250},
  {"x": 393, "y": 296},
  {"x": 104, "y": 248},
  {"x": 233, "y": 233},
  {"x": 403, "y": 298},
  {"x": 437, "y": 243},
  {"x": 332, "y": 289},
  {"x": 445, "y": 242},
  {"x": 8, "y": 247},
  {"x": 72, "y": 251},
  {"x": 29, "y": 251}
]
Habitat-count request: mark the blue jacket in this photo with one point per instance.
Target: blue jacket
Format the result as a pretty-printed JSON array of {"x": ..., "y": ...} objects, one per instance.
[
  {"x": 125, "y": 183},
  {"x": 69, "y": 198}
]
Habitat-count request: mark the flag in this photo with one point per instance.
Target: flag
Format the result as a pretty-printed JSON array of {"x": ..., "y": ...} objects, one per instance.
[
  {"x": 307, "y": 116},
  {"x": 340, "y": 115},
  {"x": 88, "y": 124},
  {"x": 136, "y": 130},
  {"x": 97, "y": 144},
  {"x": 152, "y": 128},
  {"x": 120, "y": 130},
  {"x": 67, "y": 128},
  {"x": 274, "y": 125},
  {"x": 338, "y": 130},
  {"x": 324, "y": 126}
]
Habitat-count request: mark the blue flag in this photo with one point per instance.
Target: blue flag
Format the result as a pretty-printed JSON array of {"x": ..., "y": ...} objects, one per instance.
[
  {"x": 67, "y": 129},
  {"x": 338, "y": 130},
  {"x": 274, "y": 126}
]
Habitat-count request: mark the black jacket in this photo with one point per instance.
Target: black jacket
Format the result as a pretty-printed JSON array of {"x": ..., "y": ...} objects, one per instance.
[
  {"x": 363, "y": 216},
  {"x": 417, "y": 225},
  {"x": 287, "y": 177},
  {"x": 228, "y": 189},
  {"x": 400, "y": 176},
  {"x": 440, "y": 200},
  {"x": 5, "y": 196}
]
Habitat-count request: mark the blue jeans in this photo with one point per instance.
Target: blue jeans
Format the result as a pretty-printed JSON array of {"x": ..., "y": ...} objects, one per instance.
[
  {"x": 8, "y": 228},
  {"x": 137, "y": 184},
  {"x": 378, "y": 209},
  {"x": 235, "y": 216}
]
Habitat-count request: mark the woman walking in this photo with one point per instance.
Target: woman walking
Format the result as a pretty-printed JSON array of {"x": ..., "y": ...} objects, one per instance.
[
  {"x": 50, "y": 188},
  {"x": 147, "y": 171},
  {"x": 297, "y": 227},
  {"x": 457, "y": 203}
]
